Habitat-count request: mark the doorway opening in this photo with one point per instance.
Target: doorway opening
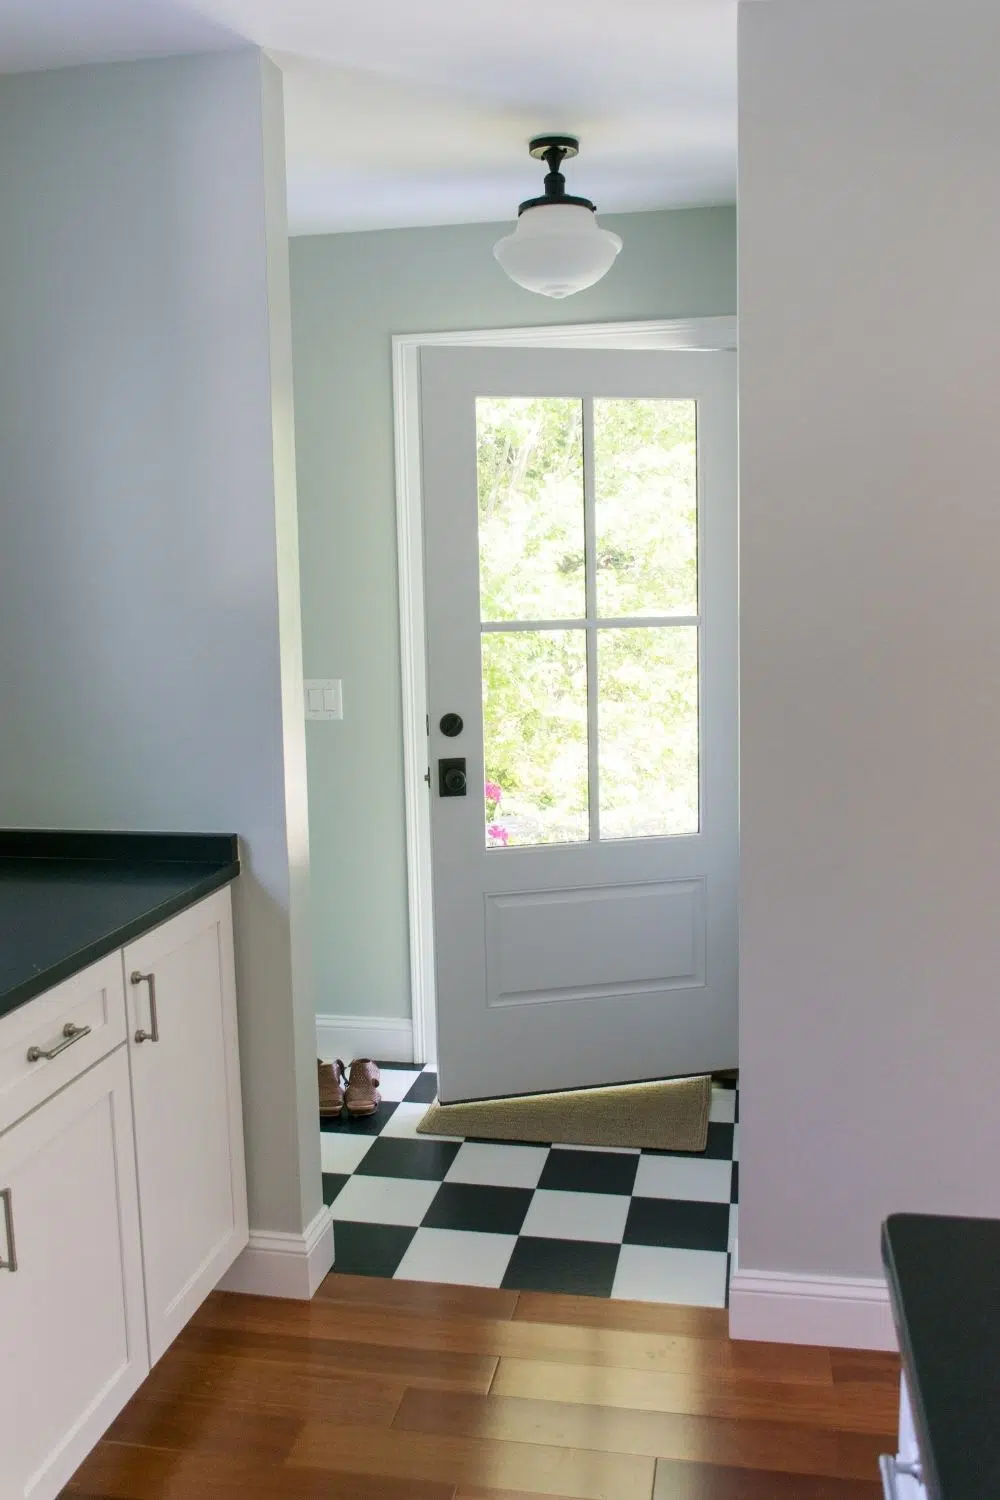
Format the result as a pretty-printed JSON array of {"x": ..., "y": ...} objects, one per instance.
[{"x": 584, "y": 877}]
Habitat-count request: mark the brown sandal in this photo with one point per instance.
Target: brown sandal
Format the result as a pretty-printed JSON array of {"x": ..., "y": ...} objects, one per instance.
[
  {"x": 362, "y": 1096},
  {"x": 331, "y": 1089}
]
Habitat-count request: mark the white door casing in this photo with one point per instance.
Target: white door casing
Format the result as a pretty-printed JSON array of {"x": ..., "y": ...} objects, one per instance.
[{"x": 604, "y": 960}]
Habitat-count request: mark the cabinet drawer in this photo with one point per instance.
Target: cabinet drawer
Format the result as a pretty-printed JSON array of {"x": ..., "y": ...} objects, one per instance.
[{"x": 54, "y": 1024}]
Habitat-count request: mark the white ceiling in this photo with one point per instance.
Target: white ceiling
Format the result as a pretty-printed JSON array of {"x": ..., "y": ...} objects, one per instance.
[{"x": 407, "y": 112}]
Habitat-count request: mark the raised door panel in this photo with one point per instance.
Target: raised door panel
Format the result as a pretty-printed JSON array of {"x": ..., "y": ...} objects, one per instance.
[
  {"x": 72, "y": 1332},
  {"x": 188, "y": 1118}
]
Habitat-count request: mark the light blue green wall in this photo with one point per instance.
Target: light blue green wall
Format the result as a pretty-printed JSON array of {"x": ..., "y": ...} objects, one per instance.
[{"x": 350, "y": 294}]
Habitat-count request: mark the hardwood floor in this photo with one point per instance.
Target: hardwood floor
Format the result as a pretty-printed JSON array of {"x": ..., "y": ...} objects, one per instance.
[{"x": 380, "y": 1389}]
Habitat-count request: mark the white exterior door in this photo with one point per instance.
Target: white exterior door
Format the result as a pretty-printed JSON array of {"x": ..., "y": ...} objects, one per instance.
[{"x": 581, "y": 607}]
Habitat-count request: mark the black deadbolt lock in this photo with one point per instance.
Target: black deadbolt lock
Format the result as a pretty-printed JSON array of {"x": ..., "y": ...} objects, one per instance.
[
  {"x": 452, "y": 780},
  {"x": 451, "y": 725}
]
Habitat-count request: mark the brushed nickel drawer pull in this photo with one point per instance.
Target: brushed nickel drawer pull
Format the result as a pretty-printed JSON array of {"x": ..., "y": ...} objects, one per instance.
[
  {"x": 7, "y": 1199},
  {"x": 70, "y": 1033},
  {"x": 891, "y": 1468},
  {"x": 153, "y": 1034}
]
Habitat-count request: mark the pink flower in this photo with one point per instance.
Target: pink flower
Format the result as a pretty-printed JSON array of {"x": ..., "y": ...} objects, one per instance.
[
  {"x": 494, "y": 791},
  {"x": 498, "y": 833}
]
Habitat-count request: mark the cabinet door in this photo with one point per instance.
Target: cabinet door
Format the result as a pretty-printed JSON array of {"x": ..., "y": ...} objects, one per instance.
[
  {"x": 181, "y": 990},
  {"x": 72, "y": 1332}
]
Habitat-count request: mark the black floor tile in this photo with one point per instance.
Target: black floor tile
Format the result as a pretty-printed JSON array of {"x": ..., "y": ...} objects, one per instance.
[
  {"x": 678, "y": 1223},
  {"x": 424, "y": 1089},
  {"x": 369, "y": 1249},
  {"x": 362, "y": 1124},
  {"x": 332, "y": 1184},
  {"x": 472, "y": 1205},
  {"x": 734, "y": 1191},
  {"x": 403, "y": 1158},
  {"x": 572, "y": 1266},
  {"x": 571, "y": 1171},
  {"x": 719, "y": 1146}
]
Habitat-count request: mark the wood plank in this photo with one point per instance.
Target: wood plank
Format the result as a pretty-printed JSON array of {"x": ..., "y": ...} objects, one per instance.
[
  {"x": 845, "y": 1408},
  {"x": 246, "y": 1385},
  {"x": 557, "y": 1343},
  {"x": 768, "y": 1445},
  {"x": 855, "y": 1366},
  {"x": 117, "y": 1471},
  {"x": 425, "y": 1297},
  {"x": 330, "y": 1356},
  {"x": 630, "y": 1317},
  {"x": 198, "y": 1426},
  {"x": 677, "y": 1481},
  {"x": 536, "y": 1468}
]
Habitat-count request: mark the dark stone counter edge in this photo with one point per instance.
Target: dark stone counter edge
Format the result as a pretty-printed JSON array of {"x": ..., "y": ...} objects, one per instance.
[
  {"x": 930, "y": 1477},
  {"x": 133, "y": 848},
  {"x": 214, "y": 879}
]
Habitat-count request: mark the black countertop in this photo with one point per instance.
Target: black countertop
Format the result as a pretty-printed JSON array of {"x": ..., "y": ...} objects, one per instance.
[
  {"x": 67, "y": 899},
  {"x": 944, "y": 1281}
]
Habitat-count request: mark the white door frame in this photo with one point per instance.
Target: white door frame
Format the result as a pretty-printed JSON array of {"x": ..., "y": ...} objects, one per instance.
[{"x": 717, "y": 333}]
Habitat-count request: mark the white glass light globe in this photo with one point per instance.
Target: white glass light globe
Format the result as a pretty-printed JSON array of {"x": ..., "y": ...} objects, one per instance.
[{"x": 557, "y": 249}]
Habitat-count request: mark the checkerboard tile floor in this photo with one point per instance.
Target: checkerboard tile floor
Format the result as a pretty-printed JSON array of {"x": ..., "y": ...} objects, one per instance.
[{"x": 654, "y": 1226}]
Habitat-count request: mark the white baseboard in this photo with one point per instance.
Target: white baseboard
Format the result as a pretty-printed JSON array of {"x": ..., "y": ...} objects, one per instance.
[
  {"x": 284, "y": 1265},
  {"x": 842, "y": 1312},
  {"x": 382, "y": 1037}
]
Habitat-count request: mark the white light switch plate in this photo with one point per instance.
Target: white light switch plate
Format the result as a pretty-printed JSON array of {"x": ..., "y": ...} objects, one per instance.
[{"x": 324, "y": 698}]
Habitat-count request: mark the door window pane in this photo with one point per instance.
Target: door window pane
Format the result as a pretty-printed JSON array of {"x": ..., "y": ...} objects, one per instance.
[
  {"x": 647, "y": 731},
  {"x": 529, "y": 455},
  {"x": 535, "y": 737},
  {"x": 646, "y": 505}
]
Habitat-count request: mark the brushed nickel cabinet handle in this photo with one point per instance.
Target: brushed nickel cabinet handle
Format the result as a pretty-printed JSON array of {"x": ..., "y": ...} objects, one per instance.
[
  {"x": 7, "y": 1199},
  {"x": 70, "y": 1033},
  {"x": 153, "y": 1034},
  {"x": 891, "y": 1467}
]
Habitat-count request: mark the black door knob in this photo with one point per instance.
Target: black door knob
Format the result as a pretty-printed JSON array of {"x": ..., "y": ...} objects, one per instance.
[
  {"x": 452, "y": 724},
  {"x": 452, "y": 780}
]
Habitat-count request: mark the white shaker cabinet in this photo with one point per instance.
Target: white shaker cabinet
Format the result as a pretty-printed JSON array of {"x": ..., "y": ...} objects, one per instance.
[
  {"x": 182, "y": 1039},
  {"x": 72, "y": 1328}
]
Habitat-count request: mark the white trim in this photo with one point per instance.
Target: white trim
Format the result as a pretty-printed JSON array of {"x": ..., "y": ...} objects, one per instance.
[
  {"x": 679, "y": 333},
  {"x": 275, "y": 1264},
  {"x": 382, "y": 1037},
  {"x": 841, "y": 1312}
]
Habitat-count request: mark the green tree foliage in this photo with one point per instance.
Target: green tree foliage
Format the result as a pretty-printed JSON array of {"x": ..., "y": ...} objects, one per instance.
[{"x": 533, "y": 567}]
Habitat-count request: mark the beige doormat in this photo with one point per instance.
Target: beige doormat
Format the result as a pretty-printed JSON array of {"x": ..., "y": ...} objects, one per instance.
[{"x": 671, "y": 1116}]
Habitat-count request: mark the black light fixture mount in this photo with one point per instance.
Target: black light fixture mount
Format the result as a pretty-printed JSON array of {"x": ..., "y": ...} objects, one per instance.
[
  {"x": 554, "y": 150},
  {"x": 557, "y": 247}
]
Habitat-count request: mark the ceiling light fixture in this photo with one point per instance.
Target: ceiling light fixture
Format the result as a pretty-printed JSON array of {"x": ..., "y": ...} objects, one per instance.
[{"x": 558, "y": 247}]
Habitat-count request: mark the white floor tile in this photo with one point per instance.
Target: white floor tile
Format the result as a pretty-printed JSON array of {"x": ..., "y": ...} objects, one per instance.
[
  {"x": 734, "y": 1215},
  {"x": 647, "y": 1273},
  {"x": 577, "y": 1216},
  {"x": 384, "y": 1200},
  {"x": 498, "y": 1165},
  {"x": 458, "y": 1256},
  {"x": 723, "y": 1108},
  {"x": 397, "y": 1082},
  {"x": 404, "y": 1120},
  {"x": 343, "y": 1153},
  {"x": 687, "y": 1177}
]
